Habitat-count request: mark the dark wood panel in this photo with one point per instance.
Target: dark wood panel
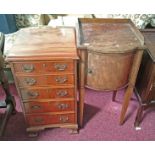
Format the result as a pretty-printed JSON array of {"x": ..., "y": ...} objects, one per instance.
[
  {"x": 149, "y": 37},
  {"x": 146, "y": 78}
]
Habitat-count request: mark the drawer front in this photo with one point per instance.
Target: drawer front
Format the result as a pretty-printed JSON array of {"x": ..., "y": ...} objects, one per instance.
[
  {"x": 46, "y": 119},
  {"x": 62, "y": 93},
  {"x": 43, "y": 67},
  {"x": 45, "y": 93},
  {"x": 51, "y": 106},
  {"x": 60, "y": 80},
  {"x": 34, "y": 94},
  {"x": 41, "y": 80}
]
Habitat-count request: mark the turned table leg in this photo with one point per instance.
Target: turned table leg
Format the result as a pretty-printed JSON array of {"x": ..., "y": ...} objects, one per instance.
[{"x": 132, "y": 80}]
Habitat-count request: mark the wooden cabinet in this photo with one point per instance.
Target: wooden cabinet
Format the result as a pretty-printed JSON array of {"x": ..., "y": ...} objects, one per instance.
[
  {"x": 145, "y": 84},
  {"x": 44, "y": 65},
  {"x": 110, "y": 53}
]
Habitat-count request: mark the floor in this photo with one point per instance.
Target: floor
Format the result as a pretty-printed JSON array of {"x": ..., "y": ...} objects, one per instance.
[{"x": 101, "y": 121}]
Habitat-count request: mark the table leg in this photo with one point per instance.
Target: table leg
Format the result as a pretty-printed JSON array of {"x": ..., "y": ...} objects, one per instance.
[
  {"x": 139, "y": 116},
  {"x": 81, "y": 85},
  {"x": 8, "y": 112},
  {"x": 132, "y": 80}
]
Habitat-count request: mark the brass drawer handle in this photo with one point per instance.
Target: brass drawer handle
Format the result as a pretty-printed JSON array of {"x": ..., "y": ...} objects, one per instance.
[
  {"x": 62, "y": 93},
  {"x": 35, "y": 107},
  {"x": 61, "y": 80},
  {"x": 64, "y": 119},
  {"x": 90, "y": 71},
  {"x": 60, "y": 67},
  {"x": 38, "y": 120},
  {"x": 30, "y": 81},
  {"x": 33, "y": 94},
  {"x": 62, "y": 106},
  {"x": 28, "y": 68}
]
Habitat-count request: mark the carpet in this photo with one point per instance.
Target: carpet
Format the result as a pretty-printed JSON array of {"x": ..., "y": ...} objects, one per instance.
[{"x": 101, "y": 121}]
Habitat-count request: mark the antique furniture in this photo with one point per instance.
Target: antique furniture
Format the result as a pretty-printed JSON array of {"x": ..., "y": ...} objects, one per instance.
[
  {"x": 110, "y": 51},
  {"x": 8, "y": 104},
  {"x": 44, "y": 65},
  {"x": 145, "y": 85}
]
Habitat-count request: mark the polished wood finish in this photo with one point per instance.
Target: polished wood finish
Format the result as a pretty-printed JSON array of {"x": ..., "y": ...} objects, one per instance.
[
  {"x": 46, "y": 93},
  {"x": 81, "y": 82},
  {"x": 45, "y": 119},
  {"x": 131, "y": 84},
  {"x": 118, "y": 67},
  {"x": 113, "y": 53},
  {"x": 145, "y": 85},
  {"x": 49, "y": 106},
  {"x": 38, "y": 80},
  {"x": 49, "y": 43},
  {"x": 44, "y": 64}
]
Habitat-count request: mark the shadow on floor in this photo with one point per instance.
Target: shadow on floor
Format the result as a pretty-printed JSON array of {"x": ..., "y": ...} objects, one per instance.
[
  {"x": 16, "y": 129},
  {"x": 89, "y": 112}
]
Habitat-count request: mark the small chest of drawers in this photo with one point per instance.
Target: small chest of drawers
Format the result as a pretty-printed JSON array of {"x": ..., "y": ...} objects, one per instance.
[{"x": 44, "y": 61}]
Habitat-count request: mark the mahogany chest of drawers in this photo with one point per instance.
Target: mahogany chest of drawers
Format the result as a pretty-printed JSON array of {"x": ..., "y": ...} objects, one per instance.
[
  {"x": 145, "y": 84},
  {"x": 44, "y": 65}
]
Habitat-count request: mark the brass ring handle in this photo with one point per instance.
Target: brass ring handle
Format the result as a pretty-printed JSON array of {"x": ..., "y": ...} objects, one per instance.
[
  {"x": 62, "y": 93},
  {"x": 30, "y": 81},
  {"x": 28, "y": 68},
  {"x": 62, "y": 106},
  {"x": 35, "y": 107},
  {"x": 33, "y": 94},
  {"x": 61, "y": 80},
  {"x": 39, "y": 120},
  {"x": 60, "y": 67},
  {"x": 64, "y": 119}
]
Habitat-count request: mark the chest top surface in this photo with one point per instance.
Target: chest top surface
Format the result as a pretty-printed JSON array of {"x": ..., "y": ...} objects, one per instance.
[
  {"x": 109, "y": 35},
  {"x": 149, "y": 38},
  {"x": 44, "y": 43}
]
